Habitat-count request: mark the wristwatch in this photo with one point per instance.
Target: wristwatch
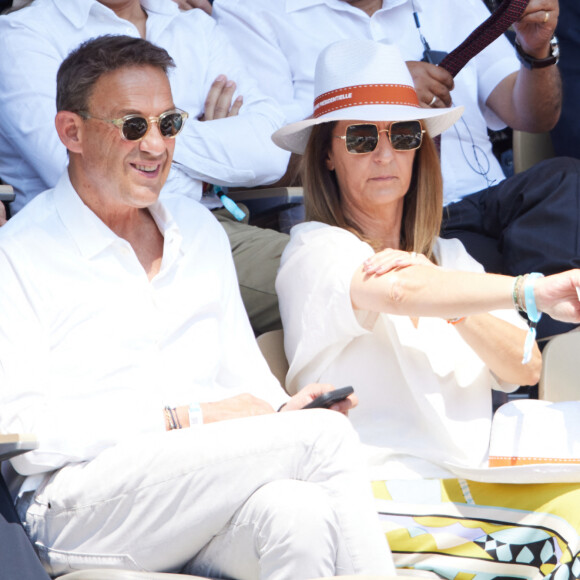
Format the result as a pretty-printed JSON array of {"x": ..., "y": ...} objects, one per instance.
[{"x": 530, "y": 62}]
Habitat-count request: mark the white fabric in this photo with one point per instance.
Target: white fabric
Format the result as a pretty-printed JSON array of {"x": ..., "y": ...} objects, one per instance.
[
  {"x": 156, "y": 500},
  {"x": 424, "y": 395},
  {"x": 533, "y": 431},
  {"x": 82, "y": 325},
  {"x": 35, "y": 40},
  {"x": 282, "y": 38}
]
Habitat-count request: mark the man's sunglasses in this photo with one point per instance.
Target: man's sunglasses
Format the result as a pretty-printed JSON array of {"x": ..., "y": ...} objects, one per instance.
[
  {"x": 364, "y": 137},
  {"x": 135, "y": 127}
]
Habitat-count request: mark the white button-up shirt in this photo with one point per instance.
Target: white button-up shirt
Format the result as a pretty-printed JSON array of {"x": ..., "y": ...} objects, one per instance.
[
  {"x": 282, "y": 39},
  {"x": 35, "y": 40},
  {"x": 91, "y": 350}
]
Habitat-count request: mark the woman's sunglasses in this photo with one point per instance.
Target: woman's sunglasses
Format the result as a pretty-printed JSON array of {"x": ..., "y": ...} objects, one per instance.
[
  {"x": 364, "y": 137},
  {"x": 135, "y": 127}
]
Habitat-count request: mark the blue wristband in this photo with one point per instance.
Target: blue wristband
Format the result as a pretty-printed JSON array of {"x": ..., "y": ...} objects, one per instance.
[
  {"x": 229, "y": 204},
  {"x": 533, "y": 314}
]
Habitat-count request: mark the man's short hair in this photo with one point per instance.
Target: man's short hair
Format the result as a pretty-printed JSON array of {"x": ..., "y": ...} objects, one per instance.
[{"x": 83, "y": 67}]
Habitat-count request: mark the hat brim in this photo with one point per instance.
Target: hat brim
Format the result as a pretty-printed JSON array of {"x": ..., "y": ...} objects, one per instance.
[{"x": 294, "y": 137}]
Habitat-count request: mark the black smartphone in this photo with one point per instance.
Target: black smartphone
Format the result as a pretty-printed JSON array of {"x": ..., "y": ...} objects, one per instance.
[{"x": 328, "y": 399}]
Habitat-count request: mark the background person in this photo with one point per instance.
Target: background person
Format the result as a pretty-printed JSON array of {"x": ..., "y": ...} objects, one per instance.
[
  {"x": 154, "y": 409},
  {"x": 370, "y": 296},
  {"x": 532, "y": 218},
  {"x": 226, "y": 141}
]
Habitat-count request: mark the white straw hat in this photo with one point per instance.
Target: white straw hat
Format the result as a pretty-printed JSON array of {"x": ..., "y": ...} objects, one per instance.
[{"x": 361, "y": 80}]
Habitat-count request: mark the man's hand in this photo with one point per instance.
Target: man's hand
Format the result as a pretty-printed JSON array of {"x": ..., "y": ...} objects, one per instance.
[
  {"x": 536, "y": 27},
  {"x": 2, "y": 214},
  {"x": 189, "y": 4},
  {"x": 431, "y": 81},
  {"x": 558, "y": 295},
  {"x": 310, "y": 392},
  {"x": 244, "y": 405},
  {"x": 218, "y": 103}
]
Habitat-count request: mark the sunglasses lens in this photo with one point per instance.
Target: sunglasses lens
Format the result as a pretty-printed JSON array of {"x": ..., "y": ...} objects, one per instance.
[
  {"x": 170, "y": 124},
  {"x": 361, "y": 138},
  {"x": 135, "y": 128},
  {"x": 406, "y": 135}
]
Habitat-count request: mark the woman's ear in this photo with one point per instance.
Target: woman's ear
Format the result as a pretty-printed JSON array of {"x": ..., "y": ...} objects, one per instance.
[
  {"x": 330, "y": 161},
  {"x": 69, "y": 128}
]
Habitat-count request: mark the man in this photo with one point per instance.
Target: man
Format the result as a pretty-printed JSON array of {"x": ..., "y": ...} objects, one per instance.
[
  {"x": 534, "y": 217},
  {"x": 143, "y": 381},
  {"x": 233, "y": 149},
  {"x": 566, "y": 133}
]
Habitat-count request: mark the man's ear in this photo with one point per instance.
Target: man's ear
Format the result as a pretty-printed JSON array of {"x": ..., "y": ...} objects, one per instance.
[{"x": 69, "y": 127}]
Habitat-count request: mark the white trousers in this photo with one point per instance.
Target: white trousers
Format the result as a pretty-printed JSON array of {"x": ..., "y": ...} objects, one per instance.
[{"x": 279, "y": 497}]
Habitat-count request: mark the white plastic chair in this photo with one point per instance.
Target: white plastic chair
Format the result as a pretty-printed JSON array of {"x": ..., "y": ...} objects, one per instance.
[
  {"x": 530, "y": 148},
  {"x": 560, "y": 378},
  {"x": 272, "y": 346}
]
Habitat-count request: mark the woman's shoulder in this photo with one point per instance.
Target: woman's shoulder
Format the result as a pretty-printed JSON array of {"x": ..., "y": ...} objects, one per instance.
[{"x": 313, "y": 232}]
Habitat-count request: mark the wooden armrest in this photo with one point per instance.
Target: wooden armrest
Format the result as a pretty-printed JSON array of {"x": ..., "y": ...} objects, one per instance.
[
  {"x": 6, "y": 192},
  {"x": 14, "y": 444}
]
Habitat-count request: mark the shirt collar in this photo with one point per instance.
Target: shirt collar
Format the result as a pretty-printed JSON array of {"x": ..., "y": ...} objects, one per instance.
[
  {"x": 91, "y": 235},
  {"x": 77, "y": 11},
  {"x": 295, "y": 5}
]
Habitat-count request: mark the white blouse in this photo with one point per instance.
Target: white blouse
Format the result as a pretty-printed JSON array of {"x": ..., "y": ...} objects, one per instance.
[{"x": 424, "y": 394}]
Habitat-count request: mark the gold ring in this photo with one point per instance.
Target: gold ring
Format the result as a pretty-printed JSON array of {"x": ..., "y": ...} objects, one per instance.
[
  {"x": 546, "y": 16},
  {"x": 432, "y": 101}
]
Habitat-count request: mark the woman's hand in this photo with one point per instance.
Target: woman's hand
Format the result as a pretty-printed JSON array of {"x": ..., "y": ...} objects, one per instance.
[
  {"x": 313, "y": 390},
  {"x": 389, "y": 259},
  {"x": 558, "y": 296}
]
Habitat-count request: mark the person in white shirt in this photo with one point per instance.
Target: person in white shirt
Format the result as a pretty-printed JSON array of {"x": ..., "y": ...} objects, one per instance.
[
  {"x": 125, "y": 347},
  {"x": 371, "y": 297},
  {"x": 533, "y": 218},
  {"x": 233, "y": 149}
]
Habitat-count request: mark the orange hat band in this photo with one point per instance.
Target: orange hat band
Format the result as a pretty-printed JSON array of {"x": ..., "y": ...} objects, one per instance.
[{"x": 365, "y": 95}]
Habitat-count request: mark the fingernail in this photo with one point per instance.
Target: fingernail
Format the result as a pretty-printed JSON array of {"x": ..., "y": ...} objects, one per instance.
[
  {"x": 230, "y": 84},
  {"x": 221, "y": 78}
]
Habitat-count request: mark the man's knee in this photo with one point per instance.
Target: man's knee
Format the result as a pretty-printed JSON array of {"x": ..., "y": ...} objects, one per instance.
[{"x": 297, "y": 515}]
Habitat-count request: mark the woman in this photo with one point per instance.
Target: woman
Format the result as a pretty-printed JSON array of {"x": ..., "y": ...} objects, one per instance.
[{"x": 370, "y": 296}]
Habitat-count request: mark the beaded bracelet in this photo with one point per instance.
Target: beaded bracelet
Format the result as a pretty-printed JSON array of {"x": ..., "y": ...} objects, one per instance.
[
  {"x": 175, "y": 417},
  {"x": 517, "y": 293},
  {"x": 532, "y": 312},
  {"x": 170, "y": 419}
]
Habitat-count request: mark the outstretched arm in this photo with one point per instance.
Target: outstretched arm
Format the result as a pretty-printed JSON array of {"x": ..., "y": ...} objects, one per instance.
[{"x": 409, "y": 286}]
